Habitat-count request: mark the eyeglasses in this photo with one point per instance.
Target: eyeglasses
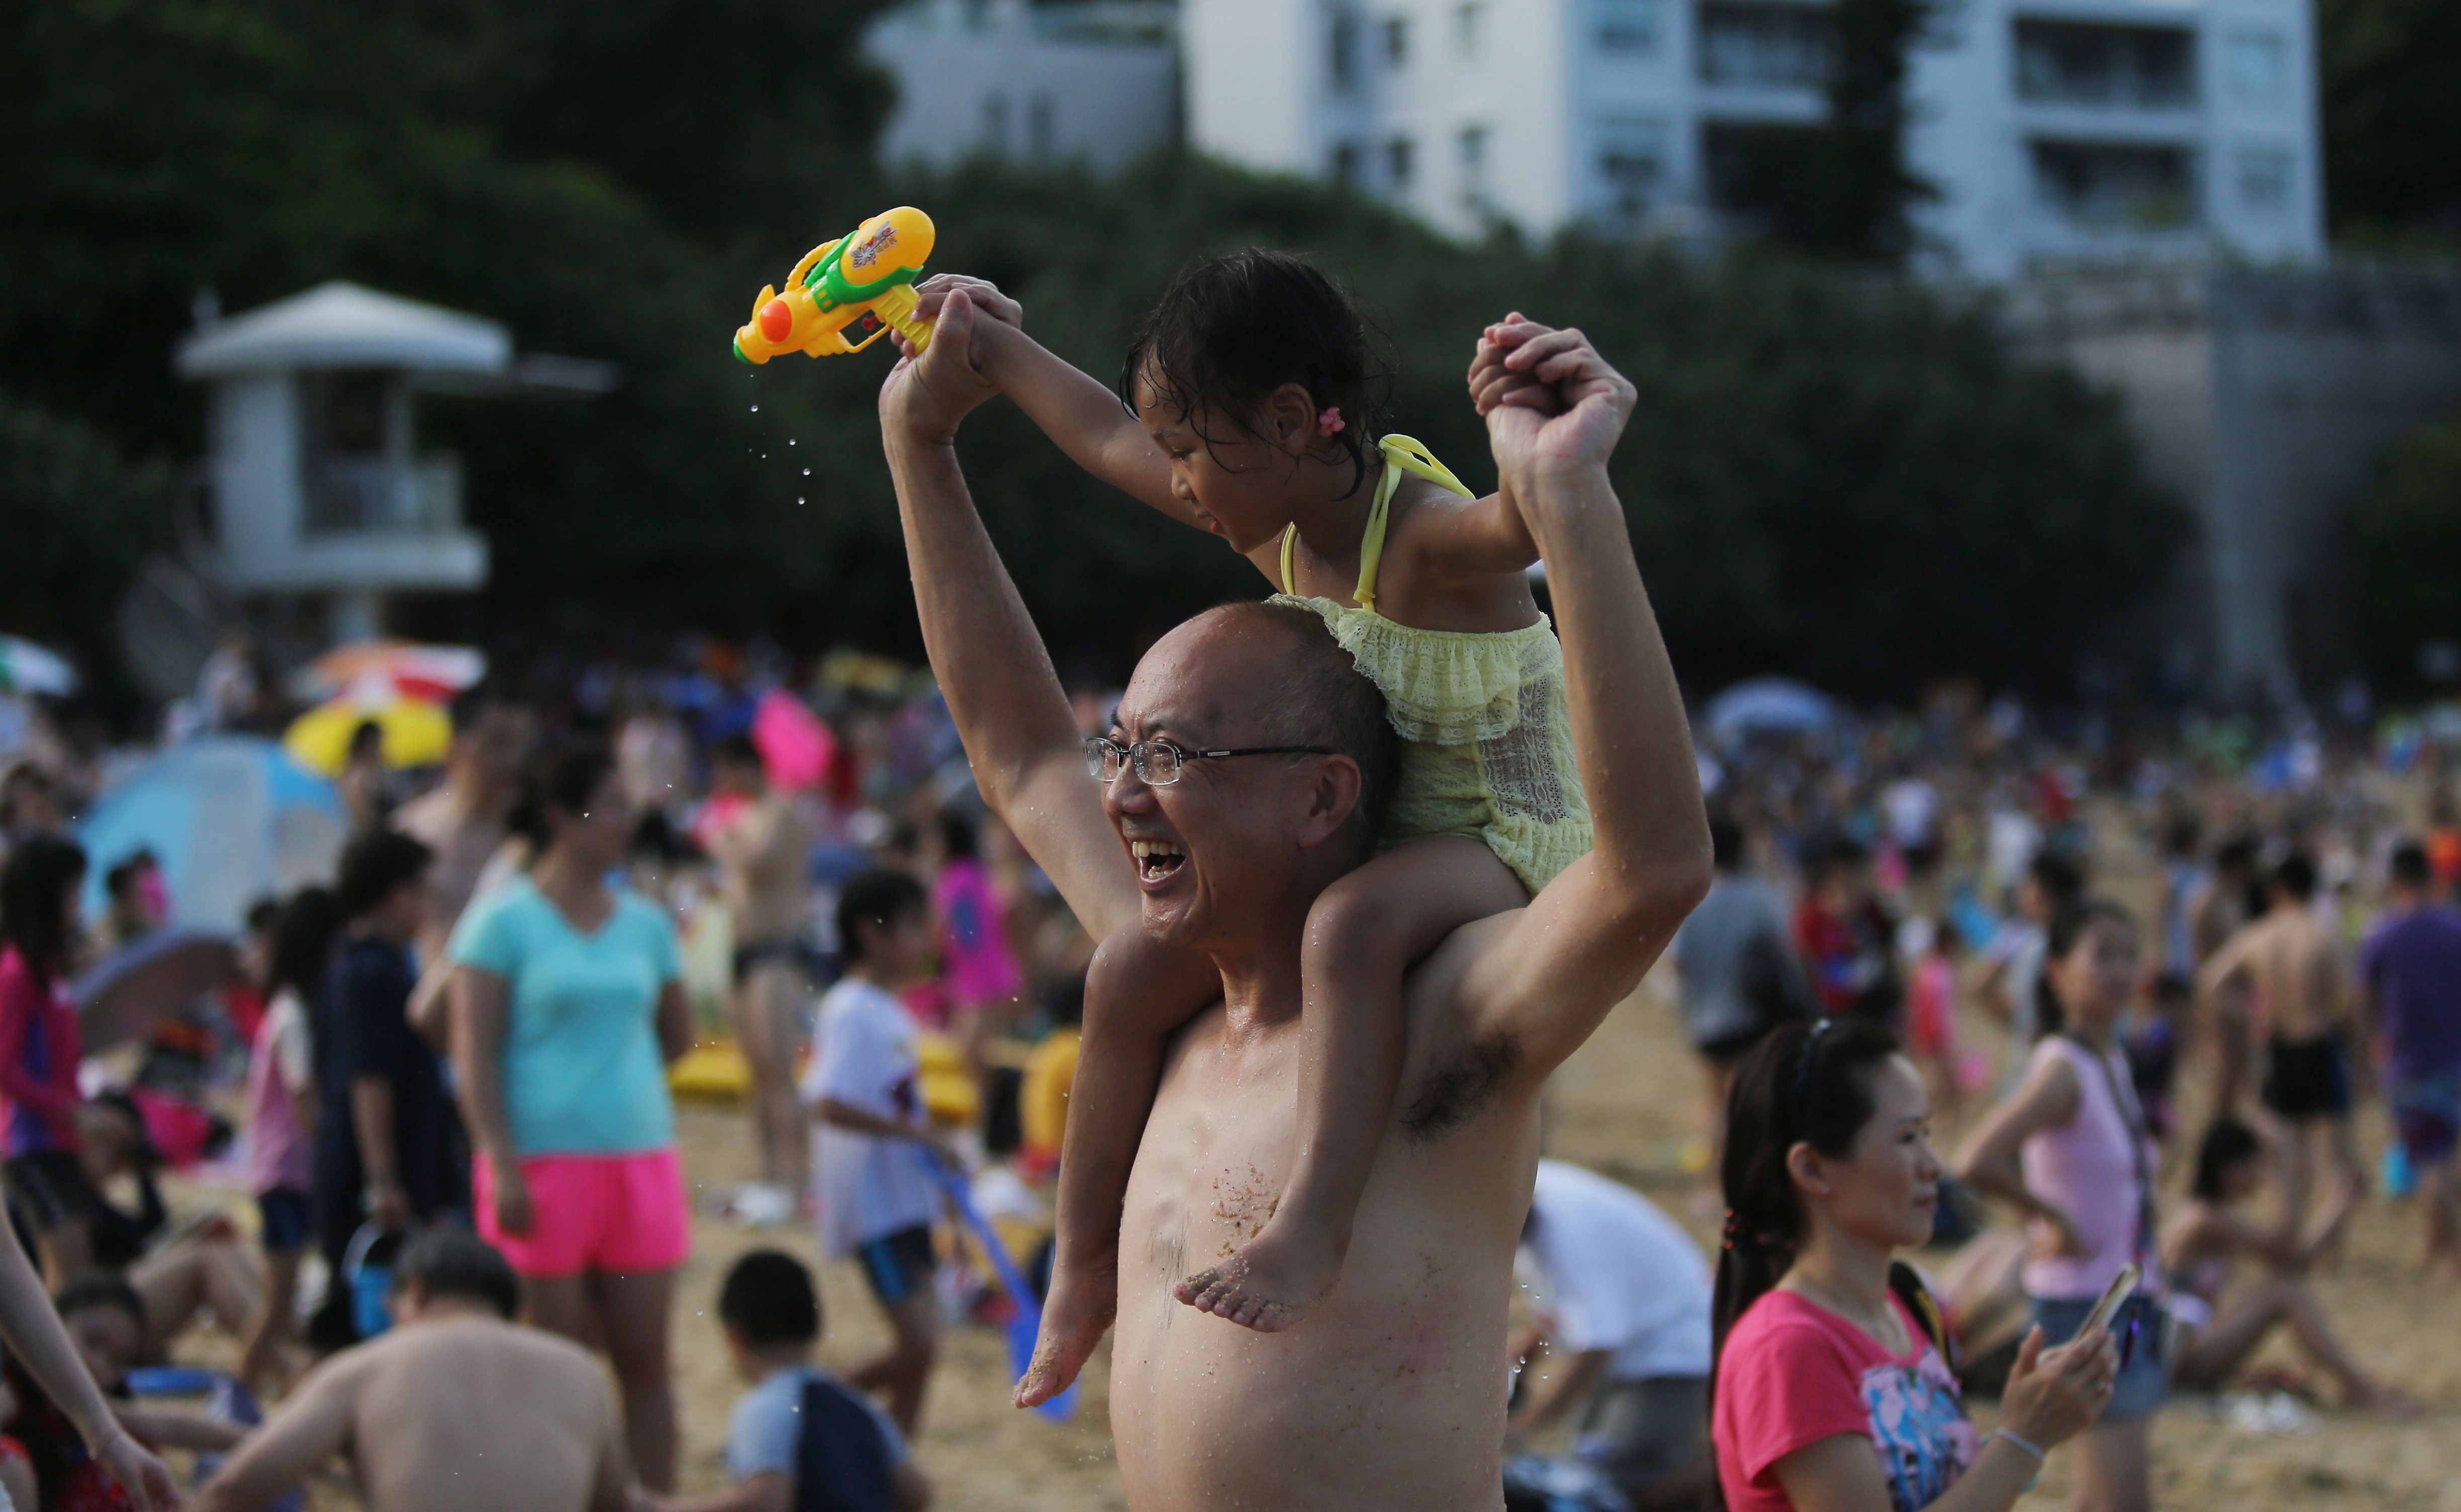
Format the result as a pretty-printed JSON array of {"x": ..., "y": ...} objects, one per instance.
[{"x": 1158, "y": 762}]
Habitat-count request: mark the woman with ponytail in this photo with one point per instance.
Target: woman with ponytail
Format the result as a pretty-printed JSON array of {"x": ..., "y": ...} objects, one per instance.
[
  {"x": 2070, "y": 1151},
  {"x": 1832, "y": 1390}
]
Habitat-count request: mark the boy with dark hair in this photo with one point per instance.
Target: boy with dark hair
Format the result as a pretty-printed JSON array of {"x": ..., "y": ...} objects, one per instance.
[
  {"x": 872, "y": 1150},
  {"x": 458, "y": 1409},
  {"x": 799, "y": 1440},
  {"x": 388, "y": 1144}
]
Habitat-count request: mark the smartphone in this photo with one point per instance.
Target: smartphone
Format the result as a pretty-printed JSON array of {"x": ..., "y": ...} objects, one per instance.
[{"x": 2122, "y": 1286}]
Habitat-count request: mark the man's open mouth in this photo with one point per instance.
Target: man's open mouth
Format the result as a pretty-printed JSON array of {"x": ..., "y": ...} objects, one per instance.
[{"x": 1155, "y": 858}]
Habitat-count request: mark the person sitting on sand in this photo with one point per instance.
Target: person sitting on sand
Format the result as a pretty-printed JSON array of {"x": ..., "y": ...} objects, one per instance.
[
  {"x": 799, "y": 1440},
  {"x": 2224, "y": 1327},
  {"x": 459, "y": 1408},
  {"x": 1389, "y": 1393}
]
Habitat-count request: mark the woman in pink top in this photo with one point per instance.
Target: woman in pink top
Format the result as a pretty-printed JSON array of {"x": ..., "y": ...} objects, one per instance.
[
  {"x": 1832, "y": 1391},
  {"x": 977, "y": 971},
  {"x": 2069, "y": 1150},
  {"x": 282, "y": 1120},
  {"x": 40, "y": 1047}
]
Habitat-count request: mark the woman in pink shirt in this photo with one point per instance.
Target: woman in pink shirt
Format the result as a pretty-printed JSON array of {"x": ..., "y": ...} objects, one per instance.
[
  {"x": 40, "y": 1049},
  {"x": 1832, "y": 1390},
  {"x": 282, "y": 1120},
  {"x": 2069, "y": 1150}
]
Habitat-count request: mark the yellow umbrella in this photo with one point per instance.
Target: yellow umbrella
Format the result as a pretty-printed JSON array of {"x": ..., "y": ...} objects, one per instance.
[{"x": 416, "y": 733}]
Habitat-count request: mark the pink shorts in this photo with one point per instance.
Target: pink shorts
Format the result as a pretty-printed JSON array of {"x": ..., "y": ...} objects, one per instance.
[{"x": 624, "y": 1214}]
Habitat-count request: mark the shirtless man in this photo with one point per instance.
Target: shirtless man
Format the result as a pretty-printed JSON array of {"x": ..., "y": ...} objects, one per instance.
[
  {"x": 763, "y": 853},
  {"x": 459, "y": 1408},
  {"x": 2288, "y": 964},
  {"x": 2217, "y": 908},
  {"x": 1392, "y": 1392},
  {"x": 462, "y": 821}
]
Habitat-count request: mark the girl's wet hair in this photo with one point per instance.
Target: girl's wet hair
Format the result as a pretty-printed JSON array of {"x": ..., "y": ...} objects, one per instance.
[
  {"x": 2069, "y": 926},
  {"x": 1231, "y": 330},
  {"x": 1807, "y": 1083}
]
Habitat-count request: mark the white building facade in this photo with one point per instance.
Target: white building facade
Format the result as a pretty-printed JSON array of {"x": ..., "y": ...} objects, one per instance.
[
  {"x": 1090, "y": 82},
  {"x": 2053, "y": 130}
]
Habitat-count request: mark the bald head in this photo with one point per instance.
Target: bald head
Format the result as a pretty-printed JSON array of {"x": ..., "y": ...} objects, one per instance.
[{"x": 1275, "y": 672}]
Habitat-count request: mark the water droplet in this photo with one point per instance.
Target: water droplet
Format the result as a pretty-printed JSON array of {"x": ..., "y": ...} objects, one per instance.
[
  {"x": 756, "y": 408},
  {"x": 790, "y": 440},
  {"x": 798, "y": 499},
  {"x": 808, "y": 472}
]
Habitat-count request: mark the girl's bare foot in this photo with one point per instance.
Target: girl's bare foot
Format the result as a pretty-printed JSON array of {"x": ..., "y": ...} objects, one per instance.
[
  {"x": 1270, "y": 1285},
  {"x": 1079, "y": 1307}
]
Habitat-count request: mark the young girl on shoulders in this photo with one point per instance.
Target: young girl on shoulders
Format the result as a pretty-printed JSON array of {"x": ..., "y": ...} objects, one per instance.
[{"x": 1247, "y": 408}]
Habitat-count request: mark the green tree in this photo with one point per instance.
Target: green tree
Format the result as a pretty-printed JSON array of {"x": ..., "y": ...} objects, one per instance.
[
  {"x": 2404, "y": 540},
  {"x": 2391, "y": 74},
  {"x": 76, "y": 516}
]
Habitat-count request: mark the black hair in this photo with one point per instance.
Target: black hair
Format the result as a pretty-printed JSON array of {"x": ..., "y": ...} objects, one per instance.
[
  {"x": 473, "y": 703},
  {"x": 2238, "y": 855},
  {"x": 564, "y": 773},
  {"x": 1321, "y": 698},
  {"x": 2059, "y": 878},
  {"x": 2297, "y": 875},
  {"x": 879, "y": 898},
  {"x": 2184, "y": 835},
  {"x": 959, "y": 835},
  {"x": 144, "y": 1155},
  {"x": 448, "y": 1261},
  {"x": 38, "y": 894},
  {"x": 264, "y": 916},
  {"x": 122, "y": 873},
  {"x": 303, "y": 942},
  {"x": 1834, "y": 854},
  {"x": 1726, "y": 843},
  {"x": 1063, "y": 1001},
  {"x": 2410, "y": 867},
  {"x": 769, "y": 1299},
  {"x": 99, "y": 1289},
  {"x": 2225, "y": 1145},
  {"x": 375, "y": 864},
  {"x": 368, "y": 732},
  {"x": 736, "y": 750},
  {"x": 2067, "y": 926},
  {"x": 1231, "y": 330},
  {"x": 1808, "y": 1081}
]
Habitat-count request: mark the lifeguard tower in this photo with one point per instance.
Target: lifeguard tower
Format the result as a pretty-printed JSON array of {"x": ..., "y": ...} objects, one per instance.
[{"x": 317, "y": 490}]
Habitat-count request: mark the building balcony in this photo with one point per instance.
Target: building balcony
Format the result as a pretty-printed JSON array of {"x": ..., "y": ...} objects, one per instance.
[{"x": 348, "y": 495}]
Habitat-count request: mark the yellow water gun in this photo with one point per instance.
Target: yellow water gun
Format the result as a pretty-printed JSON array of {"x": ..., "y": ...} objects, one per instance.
[{"x": 845, "y": 294}]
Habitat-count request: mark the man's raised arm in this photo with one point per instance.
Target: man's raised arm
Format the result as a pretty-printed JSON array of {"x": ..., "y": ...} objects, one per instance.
[
  {"x": 1585, "y": 941},
  {"x": 1010, "y": 708}
]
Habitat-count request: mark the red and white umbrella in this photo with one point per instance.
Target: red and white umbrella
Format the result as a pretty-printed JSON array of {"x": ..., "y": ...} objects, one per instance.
[{"x": 432, "y": 673}]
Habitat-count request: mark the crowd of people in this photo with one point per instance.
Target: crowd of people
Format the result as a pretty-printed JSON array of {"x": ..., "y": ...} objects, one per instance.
[{"x": 454, "y": 1104}]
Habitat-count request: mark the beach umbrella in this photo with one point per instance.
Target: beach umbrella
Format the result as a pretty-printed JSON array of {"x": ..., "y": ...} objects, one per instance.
[
  {"x": 26, "y": 667},
  {"x": 416, "y": 733},
  {"x": 126, "y": 993},
  {"x": 230, "y": 819},
  {"x": 405, "y": 669},
  {"x": 1768, "y": 706}
]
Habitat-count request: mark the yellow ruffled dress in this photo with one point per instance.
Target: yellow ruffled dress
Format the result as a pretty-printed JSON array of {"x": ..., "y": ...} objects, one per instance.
[{"x": 1487, "y": 740}]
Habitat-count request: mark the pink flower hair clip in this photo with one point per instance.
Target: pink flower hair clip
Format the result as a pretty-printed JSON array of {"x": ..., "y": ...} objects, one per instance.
[{"x": 1329, "y": 419}]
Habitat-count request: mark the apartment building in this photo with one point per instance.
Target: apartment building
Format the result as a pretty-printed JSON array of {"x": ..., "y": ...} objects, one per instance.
[
  {"x": 1091, "y": 81},
  {"x": 2054, "y": 131}
]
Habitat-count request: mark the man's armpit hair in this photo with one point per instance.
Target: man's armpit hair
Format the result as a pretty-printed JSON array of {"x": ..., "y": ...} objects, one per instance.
[{"x": 1452, "y": 1095}]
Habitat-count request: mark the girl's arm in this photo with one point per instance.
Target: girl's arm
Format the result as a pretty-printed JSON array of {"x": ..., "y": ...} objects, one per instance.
[
  {"x": 1073, "y": 408},
  {"x": 674, "y": 1021},
  {"x": 481, "y": 1013},
  {"x": 34, "y": 1331},
  {"x": 2047, "y": 1101},
  {"x": 1450, "y": 537}
]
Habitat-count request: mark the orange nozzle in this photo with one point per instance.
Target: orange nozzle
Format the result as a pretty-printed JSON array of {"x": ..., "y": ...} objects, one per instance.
[{"x": 777, "y": 321}]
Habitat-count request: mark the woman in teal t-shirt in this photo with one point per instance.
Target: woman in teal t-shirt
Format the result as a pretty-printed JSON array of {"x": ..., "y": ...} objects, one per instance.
[{"x": 568, "y": 1004}]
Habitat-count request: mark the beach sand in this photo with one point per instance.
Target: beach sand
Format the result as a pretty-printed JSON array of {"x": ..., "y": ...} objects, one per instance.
[{"x": 1627, "y": 1104}]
